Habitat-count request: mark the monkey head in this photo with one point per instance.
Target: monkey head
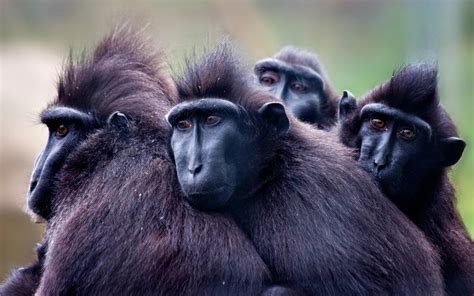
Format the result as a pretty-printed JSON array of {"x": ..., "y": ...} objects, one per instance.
[{"x": 215, "y": 148}]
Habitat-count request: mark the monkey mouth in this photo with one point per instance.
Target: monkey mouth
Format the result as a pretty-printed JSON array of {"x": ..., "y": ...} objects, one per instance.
[
  {"x": 209, "y": 199},
  {"x": 39, "y": 199},
  {"x": 206, "y": 193}
]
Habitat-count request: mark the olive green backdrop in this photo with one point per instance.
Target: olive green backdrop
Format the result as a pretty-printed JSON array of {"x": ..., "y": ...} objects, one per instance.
[{"x": 360, "y": 42}]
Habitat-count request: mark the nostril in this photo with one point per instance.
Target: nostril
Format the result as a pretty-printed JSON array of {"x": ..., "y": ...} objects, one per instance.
[
  {"x": 195, "y": 170},
  {"x": 198, "y": 169},
  {"x": 379, "y": 165},
  {"x": 33, "y": 185}
]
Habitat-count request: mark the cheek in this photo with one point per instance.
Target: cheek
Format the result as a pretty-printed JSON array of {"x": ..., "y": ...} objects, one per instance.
[
  {"x": 180, "y": 158},
  {"x": 181, "y": 166},
  {"x": 224, "y": 158},
  {"x": 406, "y": 156},
  {"x": 236, "y": 157},
  {"x": 414, "y": 166}
]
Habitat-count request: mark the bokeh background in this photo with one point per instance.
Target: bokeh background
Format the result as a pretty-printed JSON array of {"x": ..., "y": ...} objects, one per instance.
[{"x": 361, "y": 42}]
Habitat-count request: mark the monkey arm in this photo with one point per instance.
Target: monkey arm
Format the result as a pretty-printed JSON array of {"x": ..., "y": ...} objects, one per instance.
[{"x": 25, "y": 280}]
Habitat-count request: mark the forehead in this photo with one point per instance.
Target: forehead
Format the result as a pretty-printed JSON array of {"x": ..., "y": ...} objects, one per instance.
[
  {"x": 396, "y": 115},
  {"x": 275, "y": 65},
  {"x": 64, "y": 113},
  {"x": 196, "y": 107}
]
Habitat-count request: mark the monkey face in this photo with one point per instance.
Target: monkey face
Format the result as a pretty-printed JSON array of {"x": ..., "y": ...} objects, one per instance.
[
  {"x": 215, "y": 150},
  {"x": 299, "y": 87},
  {"x": 399, "y": 150}
]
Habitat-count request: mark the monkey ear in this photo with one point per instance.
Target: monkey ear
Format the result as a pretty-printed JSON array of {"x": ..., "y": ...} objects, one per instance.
[
  {"x": 118, "y": 119},
  {"x": 451, "y": 150},
  {"x": 275, "y": 116},
  {"x": 347, "y": 105}
]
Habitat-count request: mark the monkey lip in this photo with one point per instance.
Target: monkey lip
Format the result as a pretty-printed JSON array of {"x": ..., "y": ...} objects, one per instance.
[
  {"x": 196, "y": 194},
  {"x": 382, "y": 175}
]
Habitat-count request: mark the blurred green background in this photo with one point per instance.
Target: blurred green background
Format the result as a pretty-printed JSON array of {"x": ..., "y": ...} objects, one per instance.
[{"x": 361, "y": 43}]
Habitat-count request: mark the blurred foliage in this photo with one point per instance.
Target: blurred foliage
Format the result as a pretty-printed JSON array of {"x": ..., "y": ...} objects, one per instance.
[{"x": 360, "y": 42}]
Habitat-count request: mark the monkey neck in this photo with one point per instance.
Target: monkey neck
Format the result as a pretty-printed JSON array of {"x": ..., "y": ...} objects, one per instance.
[
  {"x": 434, "y": 203},
  {"x": 439, "y": 219}
]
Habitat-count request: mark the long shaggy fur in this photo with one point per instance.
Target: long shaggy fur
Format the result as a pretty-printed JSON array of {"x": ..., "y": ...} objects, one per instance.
[
  {"x": 123, "y": 74},
  {"x": 123, "y": 228},
  {"x": 413, "y": 89},
  {"x": 120, "y": 224},
  {"x": 317, "y": 220}
]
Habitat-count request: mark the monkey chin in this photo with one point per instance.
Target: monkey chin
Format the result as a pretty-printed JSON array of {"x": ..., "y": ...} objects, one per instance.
[
  {"x": 35, "y": 218},
  {"x": 209, "y": 200}
]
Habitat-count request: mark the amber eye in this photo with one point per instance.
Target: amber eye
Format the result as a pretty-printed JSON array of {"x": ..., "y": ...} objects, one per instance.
[
  {"x": 184, "y": 124},
  {"x": 213, "y": 120},
  {"x": 62, "y": 130},
  {"x": 377, "y": 123},
  {"x": 268, "y": 78},
  {"x": 407, "y": 134},
  {"x": 299, "y": 87}
]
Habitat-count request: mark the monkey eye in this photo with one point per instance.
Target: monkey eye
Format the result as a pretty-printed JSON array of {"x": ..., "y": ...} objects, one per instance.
[
  {"x": 213, "y": 120},
  {"x": 299, "y": 87},
  {"x": 407, "y": 134},
  {"x": 184, "y": 124},
  {"x": 377, "y": 123},
  {"x": 62, "y": 130},
  {"x": 268, "y": 79}
]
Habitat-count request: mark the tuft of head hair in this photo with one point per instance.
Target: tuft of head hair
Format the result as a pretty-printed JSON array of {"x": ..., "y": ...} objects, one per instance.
[
  {"x": 412, "y": 89},
  {"x": 302, "y": 57},
  {"x": 219, "y": 74},
  {"x": 124, "y": 73}
]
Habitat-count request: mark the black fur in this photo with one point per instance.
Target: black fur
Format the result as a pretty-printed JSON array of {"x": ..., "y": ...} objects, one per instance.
[
  {"x": 123, "y": 228},
  {"x": 24, "y": 281},
  {"x": 122, "y": 74},
  {"x": 317, "y": 220},
  {"x": 120, "y": 225},
  {"x": 413, "y": 90}
]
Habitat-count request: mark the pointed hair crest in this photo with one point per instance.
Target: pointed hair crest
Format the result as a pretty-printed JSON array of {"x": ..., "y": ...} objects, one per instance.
[
  {"x": 124, "y": 73},
  {"x": 219, "y": 74},
  {"x": 411, "y": 89}
]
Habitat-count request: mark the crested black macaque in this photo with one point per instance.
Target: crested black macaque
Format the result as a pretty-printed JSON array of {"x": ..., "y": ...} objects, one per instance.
[
  {"x": 129, "y": 230},
  {"x": 407, "y": 141},
  {"x": 67, "y": 129},
  {"x": 315, "y": 217},
  {"x": 118, "y": 223},
  {"x": 120, "y": 69},
  {"x": 298, "y": 78}
]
